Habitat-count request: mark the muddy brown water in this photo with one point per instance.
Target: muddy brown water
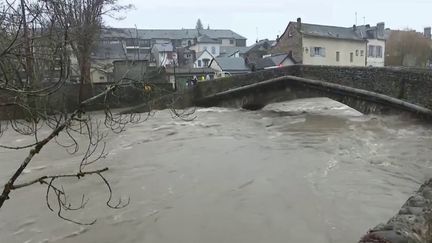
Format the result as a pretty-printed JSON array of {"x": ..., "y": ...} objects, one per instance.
[{"x": 304, "y": 171}]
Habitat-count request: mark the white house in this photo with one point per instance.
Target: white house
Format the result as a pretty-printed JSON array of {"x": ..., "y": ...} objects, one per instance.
[
  {"x": 376, "y": 43},
  {"x": 164, "y": 54},
  {"x": 203, "y": 59},
  {"x": 204, "y": 42}
]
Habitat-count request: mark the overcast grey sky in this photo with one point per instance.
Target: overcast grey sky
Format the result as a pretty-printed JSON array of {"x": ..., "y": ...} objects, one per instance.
[{"x": 266, "y": 19}]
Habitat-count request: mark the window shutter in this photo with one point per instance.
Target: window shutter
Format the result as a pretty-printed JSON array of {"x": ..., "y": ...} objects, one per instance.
[{"x": 312, "y": 51}]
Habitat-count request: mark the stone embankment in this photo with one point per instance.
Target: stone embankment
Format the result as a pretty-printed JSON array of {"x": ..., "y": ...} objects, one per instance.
[{"x": 412, "y": 224}]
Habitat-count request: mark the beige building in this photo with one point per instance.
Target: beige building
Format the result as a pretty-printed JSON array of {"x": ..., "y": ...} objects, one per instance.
[
  {"x": 334, "y": 52},
  {"x": 312, "y": 44}
]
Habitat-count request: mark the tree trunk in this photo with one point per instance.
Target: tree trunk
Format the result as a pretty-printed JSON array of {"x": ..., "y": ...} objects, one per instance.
[
  {"x": 27, "y": 48},
  {"x": 85, "y": 77},
  {"x": 32, "y": 83}
]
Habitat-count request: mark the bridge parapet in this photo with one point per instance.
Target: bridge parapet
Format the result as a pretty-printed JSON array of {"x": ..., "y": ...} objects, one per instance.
[{"x": 408, "y": 84}]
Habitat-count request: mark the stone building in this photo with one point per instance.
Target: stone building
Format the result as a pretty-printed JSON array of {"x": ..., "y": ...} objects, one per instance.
[{"x": 312, "y": 44}]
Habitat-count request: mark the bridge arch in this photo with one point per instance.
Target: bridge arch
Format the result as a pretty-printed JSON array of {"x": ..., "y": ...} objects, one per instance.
[{"x": 257, "y": 95}]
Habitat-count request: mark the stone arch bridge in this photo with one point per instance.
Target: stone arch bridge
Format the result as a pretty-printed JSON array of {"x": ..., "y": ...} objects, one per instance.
[{"x": 368, "y": 90}]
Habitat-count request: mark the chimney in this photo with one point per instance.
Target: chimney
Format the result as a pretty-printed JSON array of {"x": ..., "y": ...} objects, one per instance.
[
  {"x": 354, "y": 27},
  {"x": 277, "y": 38},
  {"x": 380, "y": 30},
  {"x": 427, "y": 33},
  {"x": 299, "y": 22}
]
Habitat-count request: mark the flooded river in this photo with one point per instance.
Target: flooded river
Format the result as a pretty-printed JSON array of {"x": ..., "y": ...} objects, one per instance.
[{"x": 310, "y": 171}]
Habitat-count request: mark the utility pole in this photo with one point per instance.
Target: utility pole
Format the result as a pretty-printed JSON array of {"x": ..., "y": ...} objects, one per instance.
[{"x": 175, "y": 80}]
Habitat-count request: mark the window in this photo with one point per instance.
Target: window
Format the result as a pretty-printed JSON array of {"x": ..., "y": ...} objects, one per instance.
[
  {"x": 131, "y": 42},
  {"x": 357, "y": 53},
  {"x": 379, "y": 52},
  {"x": 144, "y": 43},
  {"x": 318, "y": 51},
  {"x": 232, "y": 42},
  {"x": 337, "y": 56},
  {"x": 371, "y": 51},
  {"x": 361, "y": 53},
  {"x": 213, "y": 50},
  {"x": 132, "y": 51},
  {"x": 199, "y": 63},
  {"x": 101, "y": 78},
  {"x": 351, "y": 57},
  {"x": 206, "y": 62},
  {"x": 375, "y": 51}
]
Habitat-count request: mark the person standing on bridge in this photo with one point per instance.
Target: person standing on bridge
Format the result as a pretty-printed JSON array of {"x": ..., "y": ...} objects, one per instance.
[{"x": 194, "y": 81}]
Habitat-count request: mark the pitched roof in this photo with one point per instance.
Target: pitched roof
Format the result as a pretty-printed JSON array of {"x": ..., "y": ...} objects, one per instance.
[
  {"x": 371, "y": 32},
  {"x": 231, "y": 63},
  {"x": 227, "y": 51},
  {"x": 164, "y": 47},
  {"x": 271, "y": 61},
  {"x": 333, "y": 32},
  {"x": 265, "y": 62},
  {"x": 367, "y": 31},
  {"x": 206, "y": 39},
  {"x": 168, "y": 34},
  {"x": 199, "y": 54},
  {"x": 266, "y": 44},
  {"x": 279, "y": 58}
]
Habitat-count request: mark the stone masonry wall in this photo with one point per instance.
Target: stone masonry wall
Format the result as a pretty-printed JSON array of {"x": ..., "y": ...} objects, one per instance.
[{"x": 411, "y": 85}]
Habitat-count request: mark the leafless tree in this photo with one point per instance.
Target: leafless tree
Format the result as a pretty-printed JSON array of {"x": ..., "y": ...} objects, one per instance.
[
  {"x": 407, "y": 48},
  {"x": 36, "y": 47},
  {"x": 83, "y": 20}
]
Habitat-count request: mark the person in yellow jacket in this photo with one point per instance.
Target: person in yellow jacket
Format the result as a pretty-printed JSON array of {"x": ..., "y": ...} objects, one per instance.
[{"x": 147, "y": 88}]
